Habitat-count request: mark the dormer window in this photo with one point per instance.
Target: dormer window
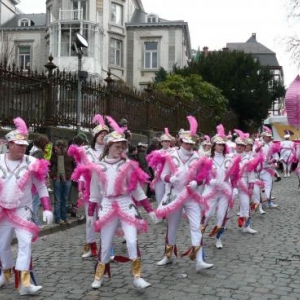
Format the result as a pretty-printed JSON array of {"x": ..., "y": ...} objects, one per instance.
[
  {"x": 151, "y": 18},
  {"x": 24, "y": 22}
]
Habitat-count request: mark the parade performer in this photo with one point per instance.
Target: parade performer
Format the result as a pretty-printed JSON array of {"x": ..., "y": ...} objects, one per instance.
[
  {"x": 245, "y": 184},
  {"x": 205, "y": 147},
  {"x": 87, "y": 156},
  {"x": 181, "y": 193},
  {"x": 258, "y": 184},
  {"x": 218, "y": 192},
  {"x": 19, "y": 175},
  {"x": 230, "y": 144},
  {"x": 116, "y": 187},
  {"x": 287, "y": 155},
  {"x": 270, "y": 152},
  {"x": 156, "y": 160}
]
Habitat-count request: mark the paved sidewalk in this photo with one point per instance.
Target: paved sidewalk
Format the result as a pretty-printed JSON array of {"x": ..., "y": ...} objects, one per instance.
[{"x": 261, "y": 266}]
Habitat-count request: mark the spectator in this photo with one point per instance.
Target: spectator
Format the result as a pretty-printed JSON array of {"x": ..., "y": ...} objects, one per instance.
[
  {"x": 61, "y": 170},
  {"x": 124, "y": 125}
]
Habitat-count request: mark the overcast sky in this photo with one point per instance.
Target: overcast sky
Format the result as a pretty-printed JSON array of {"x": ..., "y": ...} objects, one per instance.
[{"x": 213, "y": 23}]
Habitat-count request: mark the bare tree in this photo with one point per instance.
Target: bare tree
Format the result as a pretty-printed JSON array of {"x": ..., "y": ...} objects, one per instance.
[{"x": 7, "y": 49}]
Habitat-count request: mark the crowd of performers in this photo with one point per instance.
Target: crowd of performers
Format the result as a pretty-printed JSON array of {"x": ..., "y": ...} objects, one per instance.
[{"x": 200, "y": 184}]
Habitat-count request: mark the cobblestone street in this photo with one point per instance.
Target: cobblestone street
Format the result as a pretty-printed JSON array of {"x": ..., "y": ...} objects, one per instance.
[{"x": 261, "y": 266}]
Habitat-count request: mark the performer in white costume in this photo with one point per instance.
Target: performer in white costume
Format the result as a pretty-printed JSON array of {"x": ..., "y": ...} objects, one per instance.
[
  {"x": 205, "y": 147},
  {"x": 19, "y": 173},
  {"x": 218, "y": 192},
  {"x": 116, "y": 184},
  {"x": 181, "y": 193},
  {"x": 270, "y": 152},
  {"x": 89, "y": 155},
  {"x": 230, "y": 145},
  {"x": 156, "y": 161},
  {"x": 287, "y": 155},
  {"x": 245, "y": 184}
]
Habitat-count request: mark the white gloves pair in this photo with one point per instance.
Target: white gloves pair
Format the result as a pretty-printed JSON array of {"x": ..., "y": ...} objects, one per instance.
[
  {"x": 193, "y": 185},
  {"x": 48, "y": 216}
]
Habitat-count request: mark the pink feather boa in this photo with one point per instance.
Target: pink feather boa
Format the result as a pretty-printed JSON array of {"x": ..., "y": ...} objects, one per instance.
[
  {"x": 116, "y": 212},
  {"x": 39, "y": 169},
  {"x": 233, "y": 172},
  {"x": 200, "y": 170},
  {"x": 255, "y": 162},
  {"x": 79, "y": 154},
  {"x": 130, "y": 170},
  {"x": 156, "y": 160}
]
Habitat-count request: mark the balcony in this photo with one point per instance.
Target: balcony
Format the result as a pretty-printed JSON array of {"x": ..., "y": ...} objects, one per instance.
[{"x": 71, "y": 15}]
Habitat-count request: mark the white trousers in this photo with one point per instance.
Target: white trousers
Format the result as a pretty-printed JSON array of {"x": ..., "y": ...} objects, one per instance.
[
  {"x": 256, "y": 194},
  {"x": 159, "y": 191},
  {"x": 267, "y": 178},
  {"x": 193, "y": 213},
  {"x": 7, "y": 232},
  {"x": 244, "y": 204},
  {"x": 107, "y": 235},
  {"x": 89, "y": 230},
  {"x": 220, "y": 202}
]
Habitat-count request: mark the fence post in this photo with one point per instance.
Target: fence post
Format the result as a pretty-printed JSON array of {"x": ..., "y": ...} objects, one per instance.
[
  {"x": 109, "y": 86},
  {"x": 50, "y": 66},
  {"x": 149, "y": 91}
]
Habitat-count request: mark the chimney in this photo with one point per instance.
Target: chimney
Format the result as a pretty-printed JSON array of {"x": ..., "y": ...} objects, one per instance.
[
  {"x": 254, "y": 35},
  {"x": 205, "y": 50}
]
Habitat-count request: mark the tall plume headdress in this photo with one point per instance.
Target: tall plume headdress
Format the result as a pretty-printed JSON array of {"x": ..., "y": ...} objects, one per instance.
[{"x": 20, "y": 134}]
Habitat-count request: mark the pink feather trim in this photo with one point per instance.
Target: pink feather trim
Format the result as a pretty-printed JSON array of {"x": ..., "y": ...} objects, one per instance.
[
  {"x": 240, "y": 133},
  {"x": 255, "y": 162},
  {"x": 114, "y": 125},
  {"x": 79, "y": 154},
  {"x": 21, "y": 126},
  {"x": 98, "y": 119},
  {"x": 193, "y": 125},
  {"x": 167, "y": 131},
  {"x": 117, "y": 212},
  {"x": 200, "y": 170},
  {"x": 207, "y": 138},
  {"x": 234, "y": 170},
  {"x": 267, "y": 129}
]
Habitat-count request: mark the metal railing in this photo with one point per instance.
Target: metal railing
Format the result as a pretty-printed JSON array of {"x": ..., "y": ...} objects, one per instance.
[{"x": 71, "y": 15}]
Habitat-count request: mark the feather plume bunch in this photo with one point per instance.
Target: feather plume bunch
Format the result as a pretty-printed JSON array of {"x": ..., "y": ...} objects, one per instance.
[
  {"x": 98, "y": 119},
  {"x": 21, "y": 126},
  {"x": 114, "y": 125},
  {"x": 267, "y": 129},
  {"x": 220, "y": 131},
  {"x": 193, "y": 125},
  {"x": 240, "y": 133}
]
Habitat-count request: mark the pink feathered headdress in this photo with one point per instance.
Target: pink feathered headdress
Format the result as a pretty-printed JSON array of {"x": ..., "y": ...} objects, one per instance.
[
  {"x": 98, "y": 119},
  {"x": 20, "y": 134},
  {"x": 117, "y": 135}
]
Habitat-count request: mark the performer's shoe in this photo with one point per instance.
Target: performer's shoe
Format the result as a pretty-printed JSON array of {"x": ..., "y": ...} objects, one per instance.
[
  {"x": 271, "y": 204},
  {"x": 2, "y": 279},
  {"x": 29, "y": 290},
  {"x": 201, "y": 265},
  {"x": 260, "y": 208},
  {"x": 87, "y": 251},
  {"x": 219, "y": 244},
  {"x": 288, "y": 174},
  {"x": 140, "y": 283},
  {"x": 165, "y": 261},
  {"x": 97, "y": 283},
  {"x": 248, "y": 229}
]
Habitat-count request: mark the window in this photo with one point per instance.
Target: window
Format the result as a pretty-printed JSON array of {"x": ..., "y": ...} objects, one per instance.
[
  {"x": 151, "y": 55},
  {"x": 115, "y": 53},
  {"x": 151, "y": 19},
  {"x": 24, "y": 57},
  {"x": 24, "y": 22},
  {"x": 79, "y": 7},
  {"x": 117, "y": 14}
]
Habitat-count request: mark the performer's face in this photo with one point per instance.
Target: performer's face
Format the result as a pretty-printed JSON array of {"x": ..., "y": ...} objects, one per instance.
[
  {"x": 116, "y": 149},
  {"x": 187, "y": 146},
  {"x": 240, "y": 148},
  {"x": 16, "y": 152},
  {"x": 219, "y": 148},
  {"x": 100, "y": 137}
]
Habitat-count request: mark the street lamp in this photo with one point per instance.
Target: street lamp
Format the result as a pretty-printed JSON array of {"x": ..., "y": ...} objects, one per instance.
[{"x": 80, "y": 42}]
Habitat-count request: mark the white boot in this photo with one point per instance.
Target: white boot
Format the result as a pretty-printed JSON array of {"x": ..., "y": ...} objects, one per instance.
[
  {"x": 29, "y": 290},
  {"x": 97, "y": 283},
  {"x": 248, "y": 229},
  {"x": 2, "y": 279},
  {"x": 87, "y": 254},
  {"x": 260, "y": 208},
  {"x": 271, "y": 204},
  {"x": 219, "y": 244},
  {"x": 201, "y": 264},
  {"x": 140, "y": 283},
  {"x": 165, "y": 261}
]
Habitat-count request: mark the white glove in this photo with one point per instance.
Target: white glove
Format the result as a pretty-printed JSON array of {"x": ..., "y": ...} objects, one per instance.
[
  {"x": 153, "y": 217},
  {"x": 213, "y": 182},
  {"x": 90, "y": 221},
  {"x": 174, "y": 180},
  {"x": 193, "y": 185},
  {"x": 48, "y": 216}
]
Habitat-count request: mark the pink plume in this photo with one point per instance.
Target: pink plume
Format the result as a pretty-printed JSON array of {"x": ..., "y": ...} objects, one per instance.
[
  {"x": 98, "y": 119},
  {"x": 240, "y": 133},
  {"x": 21, "y": 126},
  {"x": 207, "y": 138},
  {"x": 229, "y": 132},
  {"x": 114, "y": 124},
  {"x": 220, "y": 131},
  {"x": 193, "y": 125},
  {"x": 267, "y": 129},
  {"x": 246, "y": 135},
  {"x": 254, "y": 163},
  {"x": 167, "y": 131}
]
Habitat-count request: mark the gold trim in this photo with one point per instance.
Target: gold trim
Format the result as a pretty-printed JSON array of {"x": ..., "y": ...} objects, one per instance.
[
  {"x": 7, "y": 274},
  {"x": 169, "y": 250},
  {"x": 136, "y": 267},
  {"x": 99, "y": 271},
  {"x": 193, "y": 253},
  {"x": 25, "y": 278},
  {"x": 86, "y": 248}
]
